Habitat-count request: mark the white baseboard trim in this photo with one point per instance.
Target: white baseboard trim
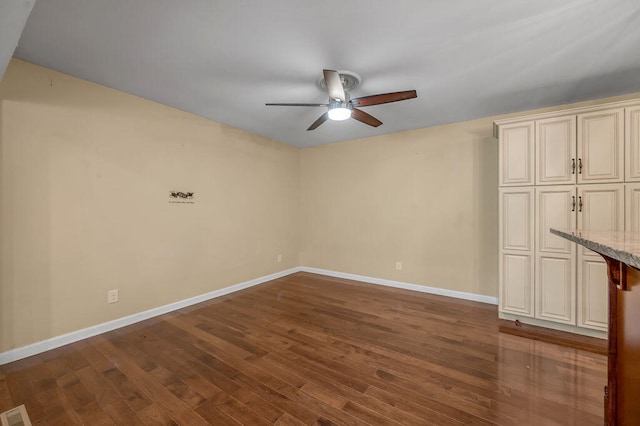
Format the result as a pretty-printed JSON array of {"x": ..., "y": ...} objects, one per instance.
[
  {"x": 407, "y": 286},
  {"x": 74, "y": 336}
]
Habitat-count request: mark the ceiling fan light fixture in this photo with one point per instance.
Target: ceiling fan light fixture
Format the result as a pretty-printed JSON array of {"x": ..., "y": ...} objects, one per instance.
[
  {"x": 338, "y": 110},
  {"x": 339, "y": 113},
  {"x": 341, "y": 106}
]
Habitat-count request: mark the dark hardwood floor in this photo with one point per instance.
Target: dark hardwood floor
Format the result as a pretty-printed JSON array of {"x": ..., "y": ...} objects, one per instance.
[{"x": 307, "y": 349}]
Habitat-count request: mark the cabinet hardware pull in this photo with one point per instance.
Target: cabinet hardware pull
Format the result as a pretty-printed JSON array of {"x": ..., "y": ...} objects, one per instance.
[
  {"x": 579, "y": 204},
  {"x": 573, "y": 203},
  {"x": 579, "y": 166},
  {"x": 573, "y": 166}
]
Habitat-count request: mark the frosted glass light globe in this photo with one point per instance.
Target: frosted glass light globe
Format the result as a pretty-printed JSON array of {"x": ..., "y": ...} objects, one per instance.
[{"x": 339, "y": 114}]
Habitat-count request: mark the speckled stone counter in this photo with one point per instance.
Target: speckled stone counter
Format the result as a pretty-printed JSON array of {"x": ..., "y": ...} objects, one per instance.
[{"x": 619, "y": 245}]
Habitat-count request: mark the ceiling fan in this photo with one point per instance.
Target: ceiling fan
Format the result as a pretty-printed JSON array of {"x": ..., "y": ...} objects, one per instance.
[{"x": 341, "y": 107}]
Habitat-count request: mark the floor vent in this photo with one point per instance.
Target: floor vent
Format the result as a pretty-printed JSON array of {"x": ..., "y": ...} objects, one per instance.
[{"x": 15, "y": 417}]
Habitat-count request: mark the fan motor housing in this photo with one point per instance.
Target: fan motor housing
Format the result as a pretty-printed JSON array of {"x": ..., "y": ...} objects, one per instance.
[{"x": 350, "y": 80}]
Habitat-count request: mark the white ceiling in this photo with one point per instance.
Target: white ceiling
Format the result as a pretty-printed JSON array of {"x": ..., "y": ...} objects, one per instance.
[
  {"x": 13, "y": 16},
  {"x": 223, "y": 59}
]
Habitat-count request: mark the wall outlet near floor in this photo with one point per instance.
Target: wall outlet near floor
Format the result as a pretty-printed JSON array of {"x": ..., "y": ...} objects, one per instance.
[
  {"x": 279, "y": 258},
  {"x": 112, "y": 296},
  {"x": 398, "y": 266}
]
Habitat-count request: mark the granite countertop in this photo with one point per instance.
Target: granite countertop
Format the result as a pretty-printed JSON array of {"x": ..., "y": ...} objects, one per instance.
[{"x": 619, "y": 245}]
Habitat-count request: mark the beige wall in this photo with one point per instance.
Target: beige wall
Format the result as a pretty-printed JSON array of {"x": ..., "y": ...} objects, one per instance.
[
  {"x": 426, "y": 198},
  {"x": 85, "y": 181},
  {"x": 85, "y": 176}
]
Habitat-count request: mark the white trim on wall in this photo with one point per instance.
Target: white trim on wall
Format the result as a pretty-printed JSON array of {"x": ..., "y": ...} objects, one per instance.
[
  {"x": 407, "y": 286},
  {"x": 74, "y": 336},
  {"x": 65, "y": 339}
]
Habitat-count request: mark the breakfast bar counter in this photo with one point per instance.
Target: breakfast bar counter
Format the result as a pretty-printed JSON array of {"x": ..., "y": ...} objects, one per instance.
[{"x": 621, "y": 251}]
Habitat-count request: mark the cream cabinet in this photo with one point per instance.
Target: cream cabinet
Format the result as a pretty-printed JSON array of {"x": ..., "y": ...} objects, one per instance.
[
  {"x": 555, "y": 257},
  {"x": 601, "y": 146},
  {"x": 593, "y": 310},
  {"x": 557, "y": 297},
  {"x": 632, "y": 144},
  {"x": 556, "y": 150},
  {"x": 516, "y": 154},
  {"x": 575, "y": 148},
  {"x": 600, "y": 207},
  {"x": 568, "y": 171},
  {"x": 516, "y": 260},
  {"x": 632, "y": 207}
]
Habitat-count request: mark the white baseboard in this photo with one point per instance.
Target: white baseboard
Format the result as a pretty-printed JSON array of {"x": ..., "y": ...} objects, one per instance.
[
  {"x": 74, "y": 336},
  {"x": 65, "y": 339},
  {"x": 407, "y": 286}
]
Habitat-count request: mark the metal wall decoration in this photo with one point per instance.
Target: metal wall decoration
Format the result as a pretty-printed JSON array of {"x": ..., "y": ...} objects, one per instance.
[{"x": 179, "y": 197}]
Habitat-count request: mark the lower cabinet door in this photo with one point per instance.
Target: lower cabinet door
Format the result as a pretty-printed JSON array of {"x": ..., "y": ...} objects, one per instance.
[
  {"x": 555, "y": 277},
  {"x": 516, "y": 250},
  {"x": 516, "y": 292},
  {"x": 555, "y": 288},
  {"x": 593, "y": 309}
]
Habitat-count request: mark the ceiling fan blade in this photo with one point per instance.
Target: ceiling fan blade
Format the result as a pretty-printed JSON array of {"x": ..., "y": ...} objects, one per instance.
[
  {"x": 334, "y": 84},
  {"x": 324, "y": 117},
  {"x": 362, "y": 116},
  {"x": 383, "y": 98},
  {"x": 307, "y": 105}
]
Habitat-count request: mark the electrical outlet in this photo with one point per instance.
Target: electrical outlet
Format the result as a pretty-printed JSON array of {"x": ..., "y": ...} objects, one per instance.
[
  {"x": 279, "y": 258},
  {"x": 398, "y": 266},
  {"x": 112, "y": 296}
]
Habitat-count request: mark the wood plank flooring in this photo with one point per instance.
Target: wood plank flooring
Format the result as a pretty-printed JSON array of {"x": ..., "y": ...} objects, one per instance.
[{"x": 307, "y": 349}]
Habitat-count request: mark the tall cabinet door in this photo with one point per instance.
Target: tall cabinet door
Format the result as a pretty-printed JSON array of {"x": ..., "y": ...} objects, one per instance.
[
  {"x": 516, "y": 154},
  {"x": 601, "y": 146},
  {"x": 632, "y": 144},
  {"x": 516, "y": 250},
  {"x": 556, "y": 151},
  {"x": 600, "y": 207},
  {"x": 555, "y": 256}
]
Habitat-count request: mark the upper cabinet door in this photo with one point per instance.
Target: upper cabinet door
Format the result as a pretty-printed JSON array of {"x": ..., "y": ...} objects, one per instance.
[
  {"x": 632, "y": 144},
  {"x": 600, "y": 208},
  {"x": 556, "y": 161},
  {"x": 601, "y": 146},
  {"x": 516, "y": 154}
]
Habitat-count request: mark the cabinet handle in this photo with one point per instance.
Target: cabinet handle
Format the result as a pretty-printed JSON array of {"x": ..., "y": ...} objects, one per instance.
[
  {"x": 573, "y": 166},
  {"x": 579, "y": 166},
  {"x": 579, "y": 204},
  {"x": 573, "y": 203}
]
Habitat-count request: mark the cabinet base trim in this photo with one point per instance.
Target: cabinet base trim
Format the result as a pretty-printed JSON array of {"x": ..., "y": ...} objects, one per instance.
[{"x": 562, "y": 338}]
